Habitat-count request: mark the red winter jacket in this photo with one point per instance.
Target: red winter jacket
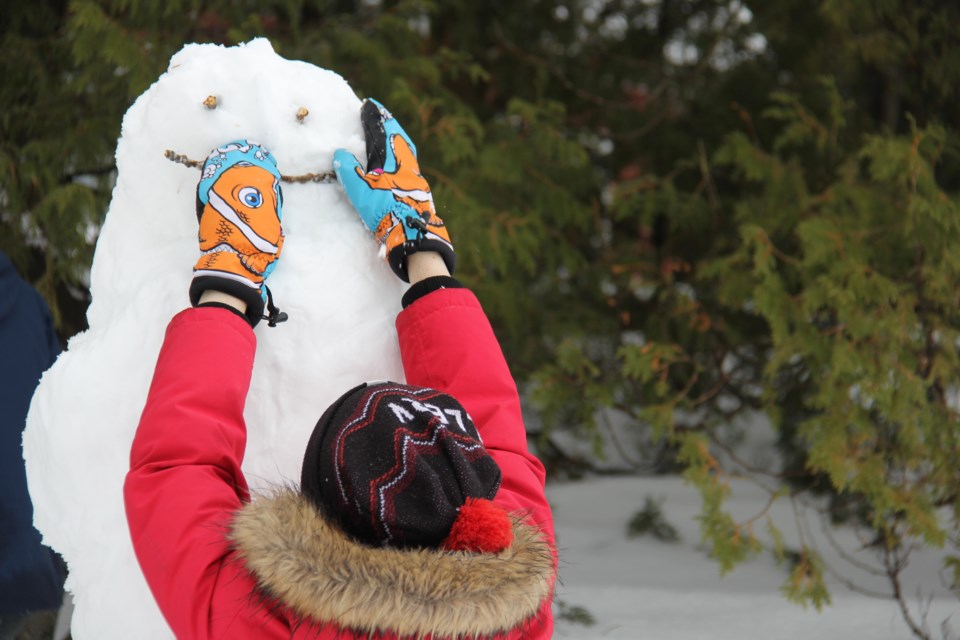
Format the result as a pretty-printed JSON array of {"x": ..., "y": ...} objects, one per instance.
[{"x": 194, "y": 527}]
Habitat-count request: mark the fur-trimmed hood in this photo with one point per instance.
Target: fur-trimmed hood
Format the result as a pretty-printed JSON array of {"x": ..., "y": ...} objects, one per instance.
[{"x": 310, "y": 566}]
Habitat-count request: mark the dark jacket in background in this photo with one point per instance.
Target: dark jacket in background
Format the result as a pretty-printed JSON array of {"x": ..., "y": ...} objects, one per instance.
[{"x": 30, "y": 574}]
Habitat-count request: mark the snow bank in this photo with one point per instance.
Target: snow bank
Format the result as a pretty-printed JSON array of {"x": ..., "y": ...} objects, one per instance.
[{"x": 644, "y": 588}]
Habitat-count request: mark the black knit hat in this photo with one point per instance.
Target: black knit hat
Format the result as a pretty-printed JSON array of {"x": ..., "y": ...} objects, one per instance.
[{"x": 394, "y": 465}]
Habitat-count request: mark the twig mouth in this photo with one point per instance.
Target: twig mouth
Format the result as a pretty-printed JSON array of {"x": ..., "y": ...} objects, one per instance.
[{"x": 324, "y": 177}]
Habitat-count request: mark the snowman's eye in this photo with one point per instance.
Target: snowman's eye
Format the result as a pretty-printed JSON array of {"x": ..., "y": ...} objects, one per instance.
[{"x": 251, "y": 197}]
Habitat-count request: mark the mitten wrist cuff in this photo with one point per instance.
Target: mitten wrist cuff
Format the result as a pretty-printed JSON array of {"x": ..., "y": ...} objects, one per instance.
[
  {"x": 397, "y": 257},
  {"x": 221, "y": 305},
  {"x": 427, "y": 286},
  {"x": 251, "y": 296}
]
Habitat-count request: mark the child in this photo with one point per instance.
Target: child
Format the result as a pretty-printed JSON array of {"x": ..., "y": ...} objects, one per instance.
[{"x": 420, "y": 511}]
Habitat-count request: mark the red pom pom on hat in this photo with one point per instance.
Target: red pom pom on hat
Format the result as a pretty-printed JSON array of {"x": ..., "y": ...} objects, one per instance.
[{"x": 480, "y": 527}]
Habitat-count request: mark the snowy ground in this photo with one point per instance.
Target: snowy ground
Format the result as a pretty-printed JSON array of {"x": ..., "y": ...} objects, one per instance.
[{"x": 643, "y": 588}]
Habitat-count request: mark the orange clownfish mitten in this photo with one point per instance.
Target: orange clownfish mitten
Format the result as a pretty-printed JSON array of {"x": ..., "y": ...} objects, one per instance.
[
  {"x": 392, "y": 197},
  {"x": 239, "y": 205}
]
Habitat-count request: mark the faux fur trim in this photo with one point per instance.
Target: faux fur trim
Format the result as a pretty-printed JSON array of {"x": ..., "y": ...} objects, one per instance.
[{"x": 317, "y": 571}]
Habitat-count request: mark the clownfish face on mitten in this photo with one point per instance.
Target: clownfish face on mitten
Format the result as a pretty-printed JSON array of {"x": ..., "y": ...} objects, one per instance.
[{"x": 240, "y": 230}]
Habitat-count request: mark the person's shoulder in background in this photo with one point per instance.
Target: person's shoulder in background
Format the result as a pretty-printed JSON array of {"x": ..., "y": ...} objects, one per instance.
[{"x": 31, "y": 575}]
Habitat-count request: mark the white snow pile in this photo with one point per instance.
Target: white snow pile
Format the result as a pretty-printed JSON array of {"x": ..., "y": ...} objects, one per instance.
[{"x": 341, "y": 298}]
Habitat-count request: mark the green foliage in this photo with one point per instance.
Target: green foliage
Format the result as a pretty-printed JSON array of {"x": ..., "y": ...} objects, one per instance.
[
  {"x": 853, "y": 296},
  {"x": 575, "y": 614},
  {"x": 650, "y": 521},
  {"x": 730, "y": 542},
  {"x": 851, "y": 303},
  {"x": 54, "y": 165},
  {"x": 805, "y": 585},
  {"x": 952, "y": 563}
]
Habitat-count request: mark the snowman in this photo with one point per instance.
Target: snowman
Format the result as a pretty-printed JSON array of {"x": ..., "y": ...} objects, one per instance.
[{"x": 339, "y": 298}]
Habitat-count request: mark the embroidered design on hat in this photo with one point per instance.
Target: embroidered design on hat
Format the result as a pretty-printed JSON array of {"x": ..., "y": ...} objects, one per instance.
[
  {"x": 393, "y": 464},
  {"x": 406, "y": 442}
]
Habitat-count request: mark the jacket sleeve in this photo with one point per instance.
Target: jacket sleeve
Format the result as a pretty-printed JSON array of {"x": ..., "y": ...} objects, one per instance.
[
  {"x": 447, "y": 343},
  {"x": 185, "y": 482}
]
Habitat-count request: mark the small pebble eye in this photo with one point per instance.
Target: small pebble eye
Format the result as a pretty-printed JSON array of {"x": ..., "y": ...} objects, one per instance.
[{"x": 251, "y": 197}]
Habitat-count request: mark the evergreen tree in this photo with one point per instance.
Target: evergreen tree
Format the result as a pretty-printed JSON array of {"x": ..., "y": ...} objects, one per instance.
[{"x": 682, "y": 211}]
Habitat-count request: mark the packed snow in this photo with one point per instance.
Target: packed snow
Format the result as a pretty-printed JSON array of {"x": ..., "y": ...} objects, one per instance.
[{"x": 342, "y": 300}]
